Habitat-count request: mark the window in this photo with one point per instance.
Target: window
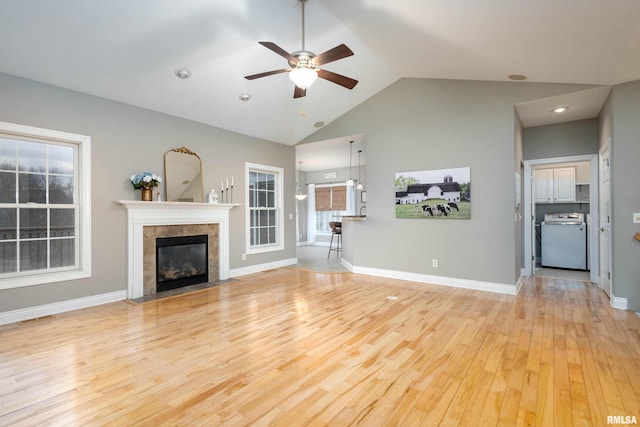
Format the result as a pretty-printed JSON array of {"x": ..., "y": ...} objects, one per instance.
[
  {"x": 44, "y": 206},
  {"x": 331, "y": 198},
  {"x": 323, "y": 218},
  {"x": 265, "y": 222},
  {"x": 331, "y": 205}
]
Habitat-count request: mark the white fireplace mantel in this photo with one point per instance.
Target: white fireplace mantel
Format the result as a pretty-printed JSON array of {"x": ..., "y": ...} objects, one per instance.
[{"x": 140, "y": 214}]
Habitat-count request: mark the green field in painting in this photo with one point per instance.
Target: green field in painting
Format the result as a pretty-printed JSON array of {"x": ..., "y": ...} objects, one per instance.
[{"x": 409, "y": 211}]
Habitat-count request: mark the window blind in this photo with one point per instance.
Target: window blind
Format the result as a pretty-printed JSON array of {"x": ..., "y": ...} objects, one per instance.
[{"x": 331, "y": 198}]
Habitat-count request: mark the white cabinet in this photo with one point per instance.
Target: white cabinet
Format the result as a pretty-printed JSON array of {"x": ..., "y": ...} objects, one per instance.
[
  {"x": 564, "y": 185},
  {"x": 582, "y": 173},
  {"x": 556, "y": 185},
  {"x": 543, "y": 184}
]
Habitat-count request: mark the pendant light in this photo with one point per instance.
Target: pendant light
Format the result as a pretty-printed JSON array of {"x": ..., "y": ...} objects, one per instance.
[
  {"x": 350, "y": 180},
  {"x": 299, "y": 196},
  {"x": 360, "y": 186}
]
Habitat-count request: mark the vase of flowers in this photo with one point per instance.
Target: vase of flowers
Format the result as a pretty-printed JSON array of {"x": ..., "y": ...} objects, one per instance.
[{"x": 145, "y": 181}]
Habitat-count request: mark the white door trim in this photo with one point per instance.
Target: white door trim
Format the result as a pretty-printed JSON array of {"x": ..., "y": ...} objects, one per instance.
[{"x": 606, "y": 147}]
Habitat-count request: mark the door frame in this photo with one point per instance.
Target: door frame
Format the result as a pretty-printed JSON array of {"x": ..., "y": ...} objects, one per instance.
[
  {"x": 606, "y": 147},
  {"x": 529, "y": 206}
]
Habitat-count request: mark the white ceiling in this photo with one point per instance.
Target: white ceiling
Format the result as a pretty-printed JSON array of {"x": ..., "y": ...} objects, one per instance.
[
  {"x": 332, "y": 153},
  {"x": 129, "y": 50}
]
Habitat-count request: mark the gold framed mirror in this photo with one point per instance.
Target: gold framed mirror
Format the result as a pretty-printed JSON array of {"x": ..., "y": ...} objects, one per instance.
[{"x": 183, "y": 176}]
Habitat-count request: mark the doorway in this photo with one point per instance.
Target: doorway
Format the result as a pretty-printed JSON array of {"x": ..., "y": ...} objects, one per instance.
[{"x": 532, "y": 223}]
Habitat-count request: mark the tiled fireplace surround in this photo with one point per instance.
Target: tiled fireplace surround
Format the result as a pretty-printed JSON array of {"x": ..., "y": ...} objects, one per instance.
[
  {"x": 148, "y": 220},
  {"x": 153, "y": 232}
]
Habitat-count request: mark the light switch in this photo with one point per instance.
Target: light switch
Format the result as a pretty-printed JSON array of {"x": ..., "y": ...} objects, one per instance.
[{"x": 636, "y": 218}]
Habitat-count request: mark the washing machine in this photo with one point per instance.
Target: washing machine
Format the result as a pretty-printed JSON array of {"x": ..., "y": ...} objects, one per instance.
[{"x": 564, "y": 241}]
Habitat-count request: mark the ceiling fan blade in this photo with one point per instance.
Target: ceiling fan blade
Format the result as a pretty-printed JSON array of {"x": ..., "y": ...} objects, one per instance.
[
  {"x": 267, "y": 73},
  {"x": 280, "y": 51},
  {"x": 338, "y": 52},
  {"x": 299, "y": 93},
  {"x": 337, "y": 79}
]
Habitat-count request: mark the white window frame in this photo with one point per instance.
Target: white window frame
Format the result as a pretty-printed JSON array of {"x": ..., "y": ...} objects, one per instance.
[
  {"x": 279, "y": 201},
  {"x": 83, "y": 183}
]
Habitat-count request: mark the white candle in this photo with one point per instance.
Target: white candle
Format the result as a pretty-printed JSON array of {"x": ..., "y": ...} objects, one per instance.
[
  {"x": 221, "y": 185},
  {"x": 232, "y": 181},
  {"x": 227, "y": 183}
]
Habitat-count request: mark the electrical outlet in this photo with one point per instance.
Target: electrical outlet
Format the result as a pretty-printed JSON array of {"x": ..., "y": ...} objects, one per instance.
[
  {"x": 244, "y": 257},
  {"x": 434, "y": 262},
  {"x": 636, "y": 218}
]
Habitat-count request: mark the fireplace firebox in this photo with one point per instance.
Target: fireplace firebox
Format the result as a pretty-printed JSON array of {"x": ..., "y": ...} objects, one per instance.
[{"x": 181, "y": 261}]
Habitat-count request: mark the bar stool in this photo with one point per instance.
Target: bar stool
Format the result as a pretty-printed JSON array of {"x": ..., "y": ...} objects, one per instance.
[{"x": 336, "y": 230}]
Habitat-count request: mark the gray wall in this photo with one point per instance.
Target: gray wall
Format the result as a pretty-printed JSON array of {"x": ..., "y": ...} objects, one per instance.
[
  {"x": 421, "y": 124},
  {"x": 622, "y": 120},
  {"x": 575, "y": 138},
  {"x": 127, "y": 139}
]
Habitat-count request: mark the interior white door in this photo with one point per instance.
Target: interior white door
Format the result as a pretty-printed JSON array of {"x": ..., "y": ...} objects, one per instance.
[
  {"x": 532, "y": 225},
  {"x": 605, "y": 221}
]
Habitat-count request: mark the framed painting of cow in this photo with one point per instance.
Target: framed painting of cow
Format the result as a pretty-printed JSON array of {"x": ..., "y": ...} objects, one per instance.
[{"x": 440, "y": 193}]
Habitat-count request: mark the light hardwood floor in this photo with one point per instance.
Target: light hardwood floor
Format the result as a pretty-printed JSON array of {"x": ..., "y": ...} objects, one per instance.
[
  {"x": 315, "y": 258},
  {"x": 291, "y": 347}
]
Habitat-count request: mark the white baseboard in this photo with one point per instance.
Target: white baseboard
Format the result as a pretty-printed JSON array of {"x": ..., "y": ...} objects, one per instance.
[
  {"x": 439, "y": 280},
  {"x": 519, "y": 282},
  {"x": 257, "y": 268},
  {"x": 325, "y": 244},
  {"x": 60, "y": 307},
  {"x": 619, "y": 303},
  {"x": 346, "y": 264}
]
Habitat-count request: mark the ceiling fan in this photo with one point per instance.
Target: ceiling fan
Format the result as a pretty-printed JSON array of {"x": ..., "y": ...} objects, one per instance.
[{"x": 304, "y": 65}]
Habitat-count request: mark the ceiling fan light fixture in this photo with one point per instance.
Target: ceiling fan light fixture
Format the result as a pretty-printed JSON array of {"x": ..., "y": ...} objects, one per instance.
[
  {"x": 304, "y": 66},
  {"x": 303, "y": 76}
]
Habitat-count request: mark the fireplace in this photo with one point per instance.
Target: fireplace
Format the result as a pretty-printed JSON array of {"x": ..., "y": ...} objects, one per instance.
[
  {"x": 181, "y": 261},
  {"x": 160, "y": 238},
  {"x": 148, "y": 221}
]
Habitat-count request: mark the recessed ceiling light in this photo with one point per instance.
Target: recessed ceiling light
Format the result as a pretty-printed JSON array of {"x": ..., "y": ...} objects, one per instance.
[
  {"x": 183, "y": 73},
  {"x": 318, "y": 124},
  {"x": 244, "y": 97},
  {"x": 517, "y": 77},
  {"x": 560, "y": 109}
]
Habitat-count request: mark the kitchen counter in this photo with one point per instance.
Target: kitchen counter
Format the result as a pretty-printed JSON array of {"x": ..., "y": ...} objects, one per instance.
[{"x": 354, "y": 217}]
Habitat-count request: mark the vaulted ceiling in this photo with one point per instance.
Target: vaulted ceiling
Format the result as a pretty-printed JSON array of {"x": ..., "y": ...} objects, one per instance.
[{"x": 129, "y": 50}]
